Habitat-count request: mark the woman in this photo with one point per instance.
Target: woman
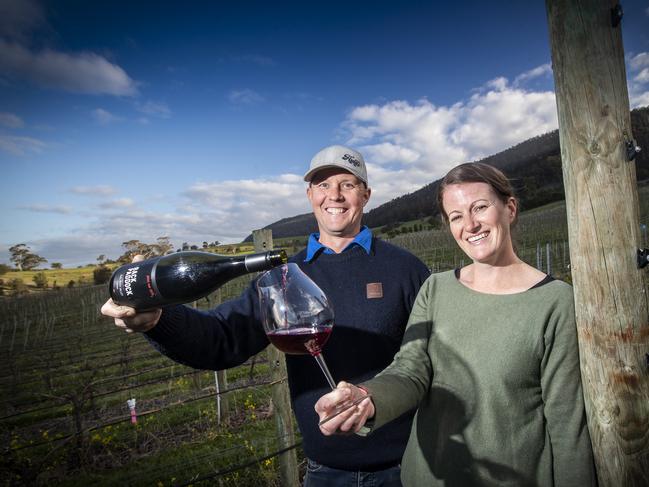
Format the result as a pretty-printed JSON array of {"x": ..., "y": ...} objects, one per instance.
[{"x": 489, "y": 358}]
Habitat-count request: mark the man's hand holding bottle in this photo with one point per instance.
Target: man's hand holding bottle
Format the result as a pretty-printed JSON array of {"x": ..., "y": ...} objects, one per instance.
[{"x": 129, "y": 319}]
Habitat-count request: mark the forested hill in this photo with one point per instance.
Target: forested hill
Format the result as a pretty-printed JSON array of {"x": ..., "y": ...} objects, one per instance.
[{"x": 534, "y": 167}]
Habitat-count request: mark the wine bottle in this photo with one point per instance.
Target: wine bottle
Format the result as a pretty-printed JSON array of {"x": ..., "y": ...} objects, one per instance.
[{"x": 183, "y": 277}]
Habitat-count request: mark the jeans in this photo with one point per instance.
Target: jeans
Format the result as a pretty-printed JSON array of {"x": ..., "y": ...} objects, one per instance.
[{"x": 320, "y": 476}]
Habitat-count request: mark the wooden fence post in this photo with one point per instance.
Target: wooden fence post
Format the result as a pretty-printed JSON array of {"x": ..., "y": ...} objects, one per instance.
[
  {"x": 602, "y": 205},
  {"x": 289, "y": 476},
  {"x": 221, "y": 383}
]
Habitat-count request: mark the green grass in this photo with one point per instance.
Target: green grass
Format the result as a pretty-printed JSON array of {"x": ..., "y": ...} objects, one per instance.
[{"x": 55, "y": 277}]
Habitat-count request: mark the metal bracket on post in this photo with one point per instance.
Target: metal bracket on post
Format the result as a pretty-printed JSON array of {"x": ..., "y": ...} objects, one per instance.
[
  {"x": 631, "y": 150},
  {"x": 643, "y": 258}
]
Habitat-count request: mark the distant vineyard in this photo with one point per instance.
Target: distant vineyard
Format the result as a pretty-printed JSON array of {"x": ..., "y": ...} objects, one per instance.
[{"x": 66, "y": 374}]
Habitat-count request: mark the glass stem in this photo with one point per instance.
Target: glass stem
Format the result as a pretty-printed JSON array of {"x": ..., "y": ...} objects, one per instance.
[{"x": 323, "y": 366}]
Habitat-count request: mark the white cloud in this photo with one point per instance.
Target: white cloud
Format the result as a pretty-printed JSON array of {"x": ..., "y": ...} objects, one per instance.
[
  {"x": 231, "y": 209},
  {"x": 101, "y": 190},
  {"x": 409, "y": 145},
  {"x": 118, "y": 203},
  {"x": 544, "y": 70},
  {"x": 20, "y": 146},
  {"x": 245, "y": 97},
  {"x": 226, "y": 211},
  {"x": 156, "y": 109},
  {"x": 642, "y": 76},
  {"x": 71, "y": 250},
  {"x": 639, "y": 61},
  {"x": 85, "y": 72},
  {"x": 638, "y": 79},
  {"x": 104, "y": 117},
  {"x": 63, "y": 210},
  {"x": 388, "y": 152},
  {"x": 10, "y": 120}
]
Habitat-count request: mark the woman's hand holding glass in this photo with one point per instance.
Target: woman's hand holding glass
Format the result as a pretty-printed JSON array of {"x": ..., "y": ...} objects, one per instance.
[{"x": 346, "y": 409}]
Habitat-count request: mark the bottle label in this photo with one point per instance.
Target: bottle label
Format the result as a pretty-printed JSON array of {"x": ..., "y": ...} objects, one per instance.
[
  {"x": 134, "y": 286},
  {"x": 130, "y": 277}
]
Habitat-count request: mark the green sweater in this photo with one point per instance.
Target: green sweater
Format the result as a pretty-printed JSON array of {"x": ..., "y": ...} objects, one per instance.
[{"x": 497, "y": 383}]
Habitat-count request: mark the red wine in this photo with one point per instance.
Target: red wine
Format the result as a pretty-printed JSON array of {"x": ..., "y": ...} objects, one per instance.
[
  {"x": 302, "y": 340},
  {"x": 183, "y": 277}
]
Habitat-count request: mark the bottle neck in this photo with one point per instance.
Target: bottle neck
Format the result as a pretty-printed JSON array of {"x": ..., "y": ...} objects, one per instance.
[{"x": 265, "y": 260}]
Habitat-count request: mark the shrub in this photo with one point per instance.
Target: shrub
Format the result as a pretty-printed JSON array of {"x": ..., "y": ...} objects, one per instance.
[
  {"x": 101, "y": 274},
  {"x": 40, "y": 279},
  {"x": 18, "y": 286},
  {"x": 4, "y": 268},
  {"x": 71, "y": 283}
]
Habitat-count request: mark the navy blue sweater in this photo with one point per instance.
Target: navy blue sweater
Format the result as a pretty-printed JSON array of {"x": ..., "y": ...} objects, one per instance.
[{"x": 366, "y": 335}]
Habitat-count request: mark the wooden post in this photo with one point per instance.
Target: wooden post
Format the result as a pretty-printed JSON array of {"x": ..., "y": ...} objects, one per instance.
[
  {"x": 222, "y": 401},
  {"x": 602, "y": 206},
  {"x": 289, "y": 476},
  {"x": 221, "y": 383}
]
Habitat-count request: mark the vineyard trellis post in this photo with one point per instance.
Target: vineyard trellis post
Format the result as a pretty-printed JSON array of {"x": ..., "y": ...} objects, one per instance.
[
  {"x": 289, "y": 476},
  {"x": 599, "y": 177},
  {"x": 221, "y": 382}
]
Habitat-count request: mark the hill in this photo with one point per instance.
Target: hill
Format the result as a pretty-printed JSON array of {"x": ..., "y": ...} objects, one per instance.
[{"x": 534, "y": 166}]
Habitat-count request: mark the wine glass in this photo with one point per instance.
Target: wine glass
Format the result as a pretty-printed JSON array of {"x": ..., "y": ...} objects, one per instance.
[{"x": 297, "y": 316}]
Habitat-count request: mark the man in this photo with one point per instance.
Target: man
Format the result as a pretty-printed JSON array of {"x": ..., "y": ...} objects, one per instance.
[{"x": 372, "y": 285}]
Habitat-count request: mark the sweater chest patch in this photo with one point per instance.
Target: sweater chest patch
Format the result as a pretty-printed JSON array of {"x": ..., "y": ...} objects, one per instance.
[{"x": 374, "y": 290}]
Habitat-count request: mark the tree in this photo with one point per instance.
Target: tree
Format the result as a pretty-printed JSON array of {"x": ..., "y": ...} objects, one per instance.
[
  {"x": 101, "y": 259},
  {"x": 4, "y": 268},
  {"x": 56, "y": 265},
  {"x": 162, "y": 246},
  {"x": 101, "y": 274},
  {"x": 18, "y": 286},
  {"x": 24, "y": 258},
  {"x": 135, "y": 247},
  {"x": 40, "y": 279},
  {"x": 131, "y": 247}
]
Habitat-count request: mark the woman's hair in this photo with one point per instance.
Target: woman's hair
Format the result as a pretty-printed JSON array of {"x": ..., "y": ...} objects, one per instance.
[{"x": 476, "y": 172}]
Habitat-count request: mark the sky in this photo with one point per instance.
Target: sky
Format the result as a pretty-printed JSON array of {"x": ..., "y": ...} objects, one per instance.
[{"x": 197, "y": 120}]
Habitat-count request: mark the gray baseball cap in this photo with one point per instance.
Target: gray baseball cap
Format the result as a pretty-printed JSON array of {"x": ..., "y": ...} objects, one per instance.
[{"x": 338, "y": 156}]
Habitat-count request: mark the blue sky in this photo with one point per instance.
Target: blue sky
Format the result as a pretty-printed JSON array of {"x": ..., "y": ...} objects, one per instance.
[{"x": 196, "y": 120}]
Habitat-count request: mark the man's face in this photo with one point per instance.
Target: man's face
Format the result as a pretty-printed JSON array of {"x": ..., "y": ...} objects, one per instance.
[{"x": 337, "y": 198}]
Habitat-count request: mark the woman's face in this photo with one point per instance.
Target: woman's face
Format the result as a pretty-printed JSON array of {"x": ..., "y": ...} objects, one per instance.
[{"x": 480, "y": 221}]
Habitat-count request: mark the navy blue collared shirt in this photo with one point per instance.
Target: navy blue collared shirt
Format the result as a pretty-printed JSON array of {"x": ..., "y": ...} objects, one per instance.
[{"x": 314, "y": 247}]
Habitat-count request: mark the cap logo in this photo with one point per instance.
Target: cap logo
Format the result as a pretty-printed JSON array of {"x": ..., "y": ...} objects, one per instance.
[{"x": 353, "y": 161}]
